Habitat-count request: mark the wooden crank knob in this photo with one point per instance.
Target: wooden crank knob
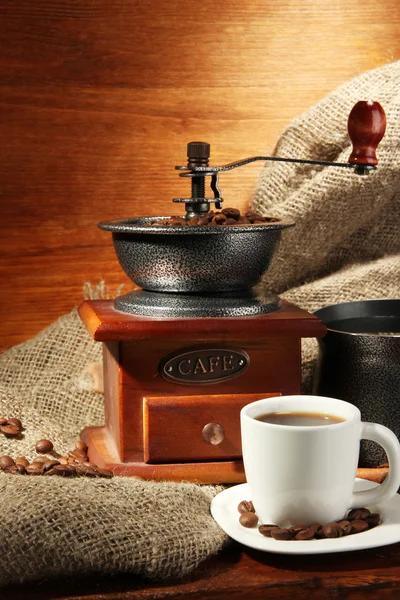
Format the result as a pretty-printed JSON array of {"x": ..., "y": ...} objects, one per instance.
[{"x": 366, "y": 126}]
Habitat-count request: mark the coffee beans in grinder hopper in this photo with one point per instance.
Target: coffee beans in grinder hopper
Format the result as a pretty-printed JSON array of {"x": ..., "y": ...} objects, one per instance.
[
  {"x": 227, "y": 217},
  {"x": 357, "y": 520}
]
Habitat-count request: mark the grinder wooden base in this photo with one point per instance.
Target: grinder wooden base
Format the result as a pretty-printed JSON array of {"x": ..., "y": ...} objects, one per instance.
[
  {"x": 186, "y": 426},
  {"x": 103, "y": 453}
]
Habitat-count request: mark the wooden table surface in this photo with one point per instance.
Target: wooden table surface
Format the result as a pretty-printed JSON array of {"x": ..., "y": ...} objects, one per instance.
[{"x": 243, "y": 574}]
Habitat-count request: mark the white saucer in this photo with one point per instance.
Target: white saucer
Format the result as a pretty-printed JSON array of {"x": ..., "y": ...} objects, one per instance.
[{"x": 224, "y": 510}]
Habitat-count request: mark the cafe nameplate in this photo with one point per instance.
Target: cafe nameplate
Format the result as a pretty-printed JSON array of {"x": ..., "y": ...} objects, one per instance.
[{"x": 204, "y": 365}]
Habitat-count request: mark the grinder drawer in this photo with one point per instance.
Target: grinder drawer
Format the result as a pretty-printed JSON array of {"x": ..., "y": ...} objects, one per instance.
[{"x": 181, "y": 428}]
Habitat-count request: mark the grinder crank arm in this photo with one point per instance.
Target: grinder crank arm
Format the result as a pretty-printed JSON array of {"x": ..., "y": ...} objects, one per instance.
[{"x": 366, "y": 127}]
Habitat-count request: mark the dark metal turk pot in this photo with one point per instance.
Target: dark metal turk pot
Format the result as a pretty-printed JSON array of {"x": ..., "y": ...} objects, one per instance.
[{"x": 359, "y": 361}]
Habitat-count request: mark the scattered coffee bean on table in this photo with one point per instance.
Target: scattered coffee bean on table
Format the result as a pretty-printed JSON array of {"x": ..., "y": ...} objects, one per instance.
[
  {"x": 225, "y": 218},
  {"x": 357, "y": 520}
]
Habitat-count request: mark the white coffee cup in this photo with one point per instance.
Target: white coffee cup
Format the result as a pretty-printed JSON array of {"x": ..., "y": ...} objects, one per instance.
[{"x": 300, "y": 475}]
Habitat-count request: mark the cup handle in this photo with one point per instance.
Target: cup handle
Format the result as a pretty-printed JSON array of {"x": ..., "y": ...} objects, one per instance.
[{"x": 389, "y": 442}]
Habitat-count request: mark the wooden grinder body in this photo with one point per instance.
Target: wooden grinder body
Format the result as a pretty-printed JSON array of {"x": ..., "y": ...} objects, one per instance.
[{"x": 164, "y": 429}]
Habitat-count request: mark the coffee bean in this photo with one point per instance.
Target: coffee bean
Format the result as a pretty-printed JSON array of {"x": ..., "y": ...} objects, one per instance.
[
  {"x": 373, "y": 519},
  {"x": 62, "y": 471},
  {"x": 63, "y": 460},
  {"x": 250, "y": 214},
  {"x": 10, "y": 430},
  {"x": 44, "y": 446},
  {"x": 358, "y": 513},
  {"x": 282, "y": 534},
  {"x": 346, "y": 526},
  {"x": 80, "y": 445},
  {"x": 20, "y": 469},
  {"x": 332, "y": 530},
  {"x": 34, "y": 469},
  {"x": 265, "y": 530},
  {"x": 68, "y": 470},
  {"x": 357, "y": 526},
  {"x": 40, "y": 460},
  {"x": 21, "y": 460},
  {"x": 77, "y": 455},
  {"x": 246, "y": 506},
  {"x": 177, "y": 222},
  {"x": 6, "y": 461},
  {"x": 86, "y": 470},
  {"x": 297, "y": 528},
  {"x": 231, "y": 222},
  {"x": 107, "y": 474},
  {"x": 305, "y": 534},
  {"x": 342, "y": 523},
  {"x": 257, "y": 218},
  {"x": 49, "y": 465},
  {"x": 231, "y": 213},
  {"x": 16, "y": 422},
  {"x": 248, "y": 519},
  {"x": 219, "y": 219},
  {"x": 316, "y": 526},
  {"x": 3, "y": 421},
  {"x": 11, "y": 470}
]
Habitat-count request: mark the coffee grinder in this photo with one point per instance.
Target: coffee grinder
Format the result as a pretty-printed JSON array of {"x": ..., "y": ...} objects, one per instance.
[{"x": 185, "y": 352}]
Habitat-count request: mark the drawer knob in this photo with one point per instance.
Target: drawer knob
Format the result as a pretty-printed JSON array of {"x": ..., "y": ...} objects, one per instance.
[{"x": 213, "y": 433}]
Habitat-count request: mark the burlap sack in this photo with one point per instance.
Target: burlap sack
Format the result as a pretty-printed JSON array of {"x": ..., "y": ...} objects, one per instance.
[
  {"x": 53, "y": 526},
  {"x": 341, "y": 218},
  {"x": 346, "y": 225},
  {"x": 345, "y": 246}
]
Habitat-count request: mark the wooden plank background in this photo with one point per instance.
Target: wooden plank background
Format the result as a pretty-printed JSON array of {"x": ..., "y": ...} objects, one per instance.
[{"x": 99, "y": 98}]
